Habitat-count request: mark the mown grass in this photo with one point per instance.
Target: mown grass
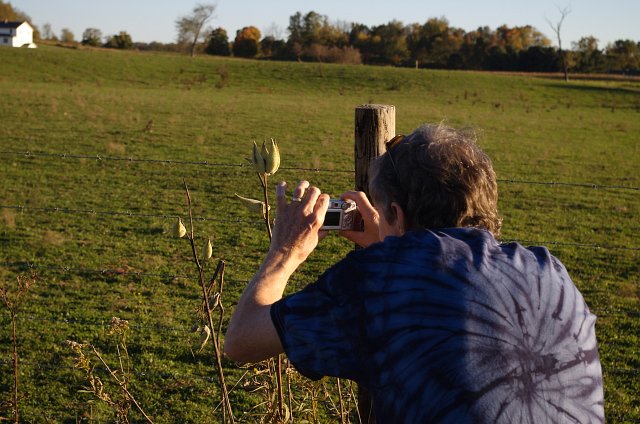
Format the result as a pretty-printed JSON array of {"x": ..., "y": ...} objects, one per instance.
[{"x": 163, "y": 106}]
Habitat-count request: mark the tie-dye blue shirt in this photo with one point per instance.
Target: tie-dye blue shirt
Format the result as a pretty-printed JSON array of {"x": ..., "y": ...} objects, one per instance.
[{"x": 450, "y": 327}]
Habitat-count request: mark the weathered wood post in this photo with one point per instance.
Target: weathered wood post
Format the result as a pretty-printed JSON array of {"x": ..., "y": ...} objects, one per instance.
[{"x": 374, "y": 125}]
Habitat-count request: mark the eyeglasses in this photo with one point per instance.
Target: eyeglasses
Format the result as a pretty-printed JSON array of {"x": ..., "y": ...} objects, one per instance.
[{"x": 389, "y": 146}]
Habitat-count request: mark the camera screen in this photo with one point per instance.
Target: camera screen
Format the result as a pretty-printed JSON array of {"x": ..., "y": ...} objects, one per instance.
[{"x": 332, "y": 219}]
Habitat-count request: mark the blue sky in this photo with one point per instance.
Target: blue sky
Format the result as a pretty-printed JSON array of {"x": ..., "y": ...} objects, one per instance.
[{"x": 153, "y": 20}]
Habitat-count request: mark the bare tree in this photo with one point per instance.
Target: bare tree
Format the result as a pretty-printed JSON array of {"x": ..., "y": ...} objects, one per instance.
[
  {"x": 190, "y": 27},
  {"x": 557, "y": 27}
]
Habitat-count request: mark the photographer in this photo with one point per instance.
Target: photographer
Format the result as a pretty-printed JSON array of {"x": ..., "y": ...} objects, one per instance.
[{"x": 439, "y": 321}]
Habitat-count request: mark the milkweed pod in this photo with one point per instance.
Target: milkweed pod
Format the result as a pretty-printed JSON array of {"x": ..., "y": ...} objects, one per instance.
[
  {"x": 205, "y": 333},
  {"x": 179, "y": 229},
  {"x": 207, "y": 250},
  {"x": 258, "y": 160},
  {"x": 273, "y": 158},
  {"x": 252, "y": 204}
]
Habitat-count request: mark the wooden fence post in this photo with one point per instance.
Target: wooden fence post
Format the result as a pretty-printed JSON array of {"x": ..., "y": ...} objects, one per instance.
[{"x": 374, "y": 125}]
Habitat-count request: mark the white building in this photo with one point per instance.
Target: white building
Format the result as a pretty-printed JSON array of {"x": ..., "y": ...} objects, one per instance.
[{"x": 16, "y": 34}]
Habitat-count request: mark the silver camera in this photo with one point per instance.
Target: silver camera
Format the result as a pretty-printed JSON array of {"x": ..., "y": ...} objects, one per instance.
[{"x": 342, "y": 215}]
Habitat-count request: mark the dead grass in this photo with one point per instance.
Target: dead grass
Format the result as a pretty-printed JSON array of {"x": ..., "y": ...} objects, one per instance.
[
  {"x": 53, "y": 238},
  {"x": 9, "y": 218},
  {"x": 114, "y": 148}
]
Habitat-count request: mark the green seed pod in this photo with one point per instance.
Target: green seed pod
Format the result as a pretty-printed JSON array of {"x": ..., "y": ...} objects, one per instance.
[
  {"x": 258, "y": 160},
  {"x": 252, "y": 204},
  {"x": 207, "y": 250},
  {"x": 273, "y": 158},
  {"x": 179, "y": 229}
]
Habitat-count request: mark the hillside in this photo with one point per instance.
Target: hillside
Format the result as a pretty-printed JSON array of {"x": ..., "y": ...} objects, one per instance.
[{"x": 92, "y": 205}]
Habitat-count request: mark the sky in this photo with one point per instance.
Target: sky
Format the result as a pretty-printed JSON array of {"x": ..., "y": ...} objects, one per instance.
[{"x": 154, "y": 20}]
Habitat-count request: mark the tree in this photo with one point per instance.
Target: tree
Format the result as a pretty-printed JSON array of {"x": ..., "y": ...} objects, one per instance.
[
  {"x": 218, "y": 43},
  {"x": 557, "y": 28},
  {"x": 623, "y": 55},
  {"x": 247, "y": 42},
  {"x": 120, "y": 41},
  {"x": 190, "y": 27},
  {"x": 47, "y": 32},
  {"x": 92, "y": 37},
  {"x": 10, "y": 13},
  {"x": 588, "y": 57},
  {"x": 66, "y": 36},
  {"x": 389, "y": 44},
  {"x": 272, "y": 48}
]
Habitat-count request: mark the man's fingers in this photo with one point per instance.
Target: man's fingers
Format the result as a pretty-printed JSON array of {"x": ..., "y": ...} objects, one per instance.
[
  {"x": 281, "y": 195},
  {"x": 299, "y": 191},
  {"x": 367, "y": 210},
  {"x": 320, "y": 208},
  {"x": 310, "y": 199}
]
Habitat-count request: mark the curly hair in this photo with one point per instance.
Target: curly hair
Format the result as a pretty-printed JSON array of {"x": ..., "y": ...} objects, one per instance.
[{"x": 440, "y": 178}]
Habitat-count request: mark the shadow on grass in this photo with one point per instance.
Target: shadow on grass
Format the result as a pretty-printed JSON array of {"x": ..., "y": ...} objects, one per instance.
[{"x": 596, "y": 89}]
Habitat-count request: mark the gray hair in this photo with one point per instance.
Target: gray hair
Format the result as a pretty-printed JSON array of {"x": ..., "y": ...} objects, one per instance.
[{"x": 440, "y": 178}]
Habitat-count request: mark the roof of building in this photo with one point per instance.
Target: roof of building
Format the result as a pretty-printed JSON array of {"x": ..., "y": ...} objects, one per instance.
[{"x": 12, "y": 24}]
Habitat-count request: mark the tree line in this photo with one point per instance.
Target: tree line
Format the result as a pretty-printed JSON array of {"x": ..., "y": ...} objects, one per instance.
[{"x": 432, "y": 44}]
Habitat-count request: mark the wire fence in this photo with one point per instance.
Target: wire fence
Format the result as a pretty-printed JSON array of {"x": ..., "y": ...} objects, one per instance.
[
  {"x": 98, "y": 157},
  {"x": 239, "y": 221},
  {"x": 179, "y": 331}
]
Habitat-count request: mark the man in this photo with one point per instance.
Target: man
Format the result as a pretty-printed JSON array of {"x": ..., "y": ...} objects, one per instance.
[{"x": 437, "y": 319}]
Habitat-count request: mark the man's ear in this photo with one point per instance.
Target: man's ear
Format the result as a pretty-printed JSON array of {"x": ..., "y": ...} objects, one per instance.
[{"x": 400, "y": 224}]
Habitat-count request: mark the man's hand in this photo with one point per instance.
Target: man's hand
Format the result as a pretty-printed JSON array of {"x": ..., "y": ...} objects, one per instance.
[
  {"x": 370, "y": 216},
  {"x": 251, "y": 335},
  {"x": 296, "y": 233}
]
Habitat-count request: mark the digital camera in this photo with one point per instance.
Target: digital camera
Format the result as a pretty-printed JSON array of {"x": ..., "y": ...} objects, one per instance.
[{"x": 342, "y": 215}]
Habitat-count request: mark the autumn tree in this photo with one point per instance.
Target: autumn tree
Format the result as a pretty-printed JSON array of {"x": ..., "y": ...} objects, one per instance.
[
  {"x": 247, "y": 42},
  {"x": 190, "y": 27},
  {"x": 11, "y": 13},
  {"x": 92, "y": 37},
  {"x": 218, "y": 43}
]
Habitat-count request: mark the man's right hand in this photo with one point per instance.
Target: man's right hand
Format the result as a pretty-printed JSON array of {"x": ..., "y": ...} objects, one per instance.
[{"x": 370, "y": 217}]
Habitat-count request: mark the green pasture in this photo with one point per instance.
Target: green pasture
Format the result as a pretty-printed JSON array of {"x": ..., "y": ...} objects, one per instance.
[{"x": 118, "y": 105}]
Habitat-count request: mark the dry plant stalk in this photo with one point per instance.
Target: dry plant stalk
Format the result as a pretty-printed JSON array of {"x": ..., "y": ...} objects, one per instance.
[
  {"x": 208, "y": 307},
  {"x": 120, "y": 402},
  {"x": 12, "y": 299}
]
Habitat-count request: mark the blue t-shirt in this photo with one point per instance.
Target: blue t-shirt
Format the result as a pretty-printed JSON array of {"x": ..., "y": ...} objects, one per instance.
[{"x": 450, "y": 327}]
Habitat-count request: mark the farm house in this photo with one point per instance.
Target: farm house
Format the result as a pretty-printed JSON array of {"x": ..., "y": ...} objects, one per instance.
[{"x": 16, "y": 34}]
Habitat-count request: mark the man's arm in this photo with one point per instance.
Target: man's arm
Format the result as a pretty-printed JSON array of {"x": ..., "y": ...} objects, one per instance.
[{"x": 251, "y": 335}]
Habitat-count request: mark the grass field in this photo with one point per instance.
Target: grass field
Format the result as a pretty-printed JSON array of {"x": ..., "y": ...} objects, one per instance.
[{"x": 118, "y": 105}]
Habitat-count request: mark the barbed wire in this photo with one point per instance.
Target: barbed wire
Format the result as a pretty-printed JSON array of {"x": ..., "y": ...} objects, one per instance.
[
  {"x": 125, "y": 213},
  {"x": 571, "y": 244},
  {"x": 99, "y": 157},
  {"x": 260, "y": 223},
  {"x": 161, "y": 161},
  {"x": 569, "y": 184},
  {"x": 172, "y": 330},
  {"x": 106, "y": 272},
  {"x": 170, "y": 375},
  {"x": 159, "y": 375}
]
